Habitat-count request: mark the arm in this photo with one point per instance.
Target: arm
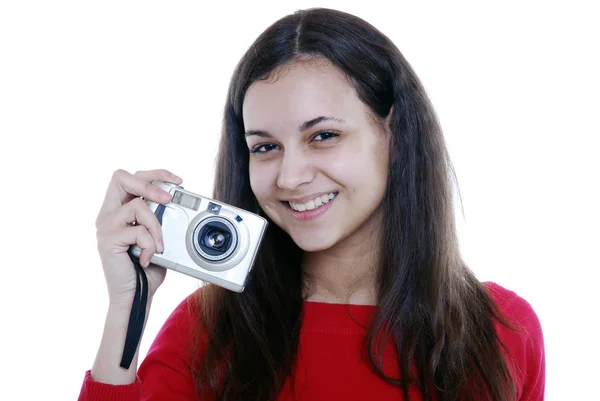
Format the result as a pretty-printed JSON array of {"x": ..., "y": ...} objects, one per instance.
[
  {"x": 125, "y": 220},
  {"x": 534, "y": 358},
  {"x": 165, "y": 372},
  {"x": 107, "y": 380},
  {"x": 106, "y": 367},
  {"x": 525, "y": 347}
]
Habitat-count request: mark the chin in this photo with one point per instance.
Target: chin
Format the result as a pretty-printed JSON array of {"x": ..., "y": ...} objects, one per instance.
[{"x": 313, "y": 243}]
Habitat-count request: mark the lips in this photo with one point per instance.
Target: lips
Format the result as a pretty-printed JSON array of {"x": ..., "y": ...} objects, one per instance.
[{"x": 314, "y": 203}]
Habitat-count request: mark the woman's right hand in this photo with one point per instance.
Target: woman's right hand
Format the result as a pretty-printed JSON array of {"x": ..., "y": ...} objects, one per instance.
[{"x": 124, "y": 220}]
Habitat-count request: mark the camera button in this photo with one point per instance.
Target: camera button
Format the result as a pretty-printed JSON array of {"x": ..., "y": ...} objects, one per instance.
[{"x": 214, "y": 208}]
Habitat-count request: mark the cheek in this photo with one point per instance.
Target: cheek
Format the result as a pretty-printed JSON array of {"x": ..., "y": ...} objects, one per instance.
[
  {"x": 346, "y": 164},
  {"x": 361, "y": 168},
  {"x": 260, "y": 181}
]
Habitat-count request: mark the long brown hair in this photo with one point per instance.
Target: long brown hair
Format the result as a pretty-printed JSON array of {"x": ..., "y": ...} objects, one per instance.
[{"x": 438, "y": 315}]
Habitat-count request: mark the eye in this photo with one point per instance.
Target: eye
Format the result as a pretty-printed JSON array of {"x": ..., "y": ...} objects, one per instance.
[
  {"x": 263, "y": 148},
  {"x": 325, "y": 136}
]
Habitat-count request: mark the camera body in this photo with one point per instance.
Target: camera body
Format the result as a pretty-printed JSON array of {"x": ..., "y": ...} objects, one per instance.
[{"x": 206, "y": 239}]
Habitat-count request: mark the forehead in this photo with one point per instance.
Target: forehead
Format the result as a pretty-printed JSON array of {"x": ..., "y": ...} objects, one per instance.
[{"x": 299, "y": 92}]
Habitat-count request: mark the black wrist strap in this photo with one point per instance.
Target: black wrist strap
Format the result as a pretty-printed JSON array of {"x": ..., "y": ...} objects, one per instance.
[{"x": 137, "y": 315}]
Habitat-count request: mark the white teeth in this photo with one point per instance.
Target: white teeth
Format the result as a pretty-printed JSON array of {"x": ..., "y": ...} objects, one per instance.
[{"x": 313, "y": 204}]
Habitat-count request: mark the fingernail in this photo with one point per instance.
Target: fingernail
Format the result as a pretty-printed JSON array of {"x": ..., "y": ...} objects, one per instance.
[{"x": 161, "y": 247}]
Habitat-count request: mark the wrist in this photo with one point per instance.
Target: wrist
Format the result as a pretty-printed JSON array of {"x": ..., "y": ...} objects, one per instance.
[
  {"x": 106, "y": 368},
  {"x": 119, "y": 304}
]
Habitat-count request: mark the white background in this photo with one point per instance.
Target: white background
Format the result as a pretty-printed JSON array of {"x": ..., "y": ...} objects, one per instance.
[{"x": 89, "y": 87}]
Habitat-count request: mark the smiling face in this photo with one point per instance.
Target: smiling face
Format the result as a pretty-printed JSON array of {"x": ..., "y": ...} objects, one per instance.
[{"x": 318, "y": 160}]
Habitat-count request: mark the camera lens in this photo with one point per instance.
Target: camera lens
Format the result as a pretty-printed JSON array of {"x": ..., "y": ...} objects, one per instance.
[{"x": 215, "y": 239}]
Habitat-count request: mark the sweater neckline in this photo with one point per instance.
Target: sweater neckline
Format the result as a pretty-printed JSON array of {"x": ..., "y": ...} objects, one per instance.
[
  {"x": 323, "y": 316},
  {"x": 319, "y": 316}
]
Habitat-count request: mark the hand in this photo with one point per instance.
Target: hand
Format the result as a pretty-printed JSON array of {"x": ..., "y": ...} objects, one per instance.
[{"x": 124, "y": 220}]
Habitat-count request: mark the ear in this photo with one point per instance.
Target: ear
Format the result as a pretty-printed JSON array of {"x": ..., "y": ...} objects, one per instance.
[
  {"x": 388, "y": 118},
  {"x": 388, "y": 121},
  {"x": 387, "y": 125}
]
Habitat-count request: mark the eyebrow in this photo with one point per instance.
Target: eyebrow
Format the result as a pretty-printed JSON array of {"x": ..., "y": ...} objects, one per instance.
[{"x": 303, "y": 127}]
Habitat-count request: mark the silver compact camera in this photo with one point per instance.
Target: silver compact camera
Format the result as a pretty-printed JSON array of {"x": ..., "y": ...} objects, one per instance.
[{"x": 206, "y": 239}]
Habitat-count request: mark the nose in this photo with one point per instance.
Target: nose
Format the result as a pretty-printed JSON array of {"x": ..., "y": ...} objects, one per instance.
[{"x": 295, "y": 169}]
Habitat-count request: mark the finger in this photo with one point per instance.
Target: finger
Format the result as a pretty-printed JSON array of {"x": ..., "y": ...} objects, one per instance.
[
  {"x": 124, "y": 187},
  {"x": 140, "y": 184},
  {"x": 160, "y": 174},
  {"x": 124, "y": 237},
  {"x": 137, "y": 211},
  {"x": 128, "y": 185}
]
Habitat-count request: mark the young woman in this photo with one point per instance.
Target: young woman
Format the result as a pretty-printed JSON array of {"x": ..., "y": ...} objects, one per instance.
[{"x": 359, "y": 291}]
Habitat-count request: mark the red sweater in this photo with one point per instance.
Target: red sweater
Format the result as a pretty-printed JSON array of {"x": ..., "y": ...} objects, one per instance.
[{"x": 329, "y": 366}]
